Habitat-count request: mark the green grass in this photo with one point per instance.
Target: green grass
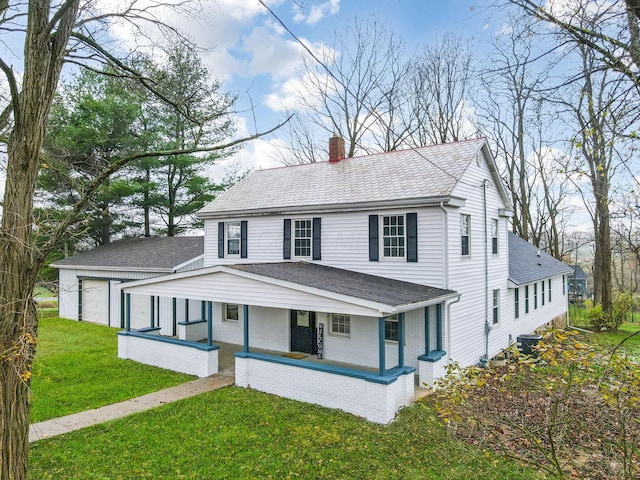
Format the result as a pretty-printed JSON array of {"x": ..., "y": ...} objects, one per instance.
[
  {"x": 76, "y": 368},
  {"x": 609, "y": 340},
  {"x": 234, "y": 433}
]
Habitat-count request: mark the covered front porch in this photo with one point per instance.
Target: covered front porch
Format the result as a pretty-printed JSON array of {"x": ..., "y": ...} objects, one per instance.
[{"x": 293, "y": 343}]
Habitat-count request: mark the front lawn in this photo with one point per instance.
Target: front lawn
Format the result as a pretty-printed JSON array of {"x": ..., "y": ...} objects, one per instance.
[
  {"x": 77, "y": 368},
  {"x": 234, "y": 433}
]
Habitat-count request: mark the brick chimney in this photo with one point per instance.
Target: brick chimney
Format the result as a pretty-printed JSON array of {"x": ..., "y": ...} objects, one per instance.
[{"x": 336, "y": 148}]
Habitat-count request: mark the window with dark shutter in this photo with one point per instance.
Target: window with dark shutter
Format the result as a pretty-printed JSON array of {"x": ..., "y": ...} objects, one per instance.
[
  {"x": 220, "y": 239},
  {"x": 373, "y": 238},
  {"x": 317, "y": 253},
  {"x": 412, "y": 237},
  {"x": 286, "y": 242},
  {"x": 243, "y": 239}
]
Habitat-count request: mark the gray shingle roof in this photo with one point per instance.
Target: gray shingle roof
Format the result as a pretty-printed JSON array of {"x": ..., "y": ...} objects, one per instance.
[
  {"x": 421, "y": 173},
  {"x": 346, "y": 282},
  {"x": 578, "y": 273},
  {"x": 525, "y": 266},
  {"x": 152, "y": 253}
]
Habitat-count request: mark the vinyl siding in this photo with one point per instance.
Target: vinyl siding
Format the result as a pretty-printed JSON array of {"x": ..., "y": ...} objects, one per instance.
[
  {"x": 345, "y": 244},
  {"x": 466, "y": 343}
]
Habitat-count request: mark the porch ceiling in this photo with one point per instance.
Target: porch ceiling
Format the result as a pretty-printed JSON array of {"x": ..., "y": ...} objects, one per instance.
[{"x": 295, "y": 285}]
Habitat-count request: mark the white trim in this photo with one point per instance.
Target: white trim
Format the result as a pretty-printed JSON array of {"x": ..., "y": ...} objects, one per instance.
[
  {"x": 378, "y": 309},
  {"x": 184, "y": 264},
  {"x": 113, "y": 269},
  {"x": 451, "y": 201}
]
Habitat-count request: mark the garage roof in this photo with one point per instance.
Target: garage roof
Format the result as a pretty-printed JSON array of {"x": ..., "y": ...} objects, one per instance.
[{"x": 150, "y": 253}]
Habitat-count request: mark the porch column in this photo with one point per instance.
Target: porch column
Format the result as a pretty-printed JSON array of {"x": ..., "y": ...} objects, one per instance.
[
  {"x": 127, "y": 313},
  {"x": 439, "y": 327},
  {"x": 174, "y": 315},
  {"x": 401, "y": 340},
  {"x": 427, "y": 331},
  {"x": 209, "y": 322},
  {"x": 152, "y": 313},
  {"x": 122, "y": 309},
  {"x": 381, "y": 345},
  {"x": 246, "y": 328}
]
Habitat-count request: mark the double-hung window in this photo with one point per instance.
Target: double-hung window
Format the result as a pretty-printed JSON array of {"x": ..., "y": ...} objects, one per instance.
[
  {"x": 465, "y": 234},
  {"x": 526, "y": 299},
  {"x": 516, "y": 300},
  {"x": 302, "y": 238},
  {"x": 233, "y": 238},
  {"x": 549, "y": 290},
  {"x": 340, "y": 324},
  {"x": 391, "y": 328},
  {"x": 496, "y": 306},
  {"x": 494, "y": 236},
  {"x": 542, "y": 291},
  {"x": 535, "y": 295},
  {"x": 393, "y": 236}
]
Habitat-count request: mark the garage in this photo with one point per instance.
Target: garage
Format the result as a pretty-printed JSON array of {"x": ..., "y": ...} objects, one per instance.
[
  {"x": 140, "y": 311},
  {"x": 95, "y": 301}
]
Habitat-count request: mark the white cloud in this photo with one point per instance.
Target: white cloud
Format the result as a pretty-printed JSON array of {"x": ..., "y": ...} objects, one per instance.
[
  {"x": 288, "y": 95},
  {"x": 317, "y": 12}
]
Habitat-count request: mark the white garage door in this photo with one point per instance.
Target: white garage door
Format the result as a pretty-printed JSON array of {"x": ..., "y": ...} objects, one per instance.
[
  {"x": 95, "y": 301},
  {"x": 140, "y": 311}
]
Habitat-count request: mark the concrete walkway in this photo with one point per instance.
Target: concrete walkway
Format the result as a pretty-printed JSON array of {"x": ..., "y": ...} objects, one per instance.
[{"x": 59, "y": 426}]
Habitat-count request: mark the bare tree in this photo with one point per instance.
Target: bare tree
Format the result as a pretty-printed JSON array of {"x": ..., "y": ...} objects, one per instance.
[
  {"x": 350, "y": 89},
  {"x": 439, "y": 94},
  {"x": 53, "y": 33},
  {"x": 600, "y": 109},
  {"x": 615, "y": 38},
  {"x": 519, "y": 121}
]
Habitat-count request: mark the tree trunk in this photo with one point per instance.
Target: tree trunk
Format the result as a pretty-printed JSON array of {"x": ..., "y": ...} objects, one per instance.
[{"x": 44, "y": 49}]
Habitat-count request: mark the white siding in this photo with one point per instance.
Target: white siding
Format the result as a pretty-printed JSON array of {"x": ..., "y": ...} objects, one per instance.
[
  {"x": 345, "y": 244},
  {"x": 466, "y": 343}
]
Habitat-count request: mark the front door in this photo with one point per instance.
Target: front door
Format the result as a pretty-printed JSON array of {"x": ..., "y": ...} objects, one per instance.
[{"x": 303, "y": 331}]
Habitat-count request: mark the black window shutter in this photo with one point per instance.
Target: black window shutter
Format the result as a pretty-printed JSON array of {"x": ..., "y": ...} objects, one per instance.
[
  {"x": 220, "y": 239},
  {"x": 373, "y": 238},
  {"x": 412, "y": 237},
  {"x": 316, "y": 239},
  {"x": 286, "y": 243},
  {"x": 243, "y": 239}
]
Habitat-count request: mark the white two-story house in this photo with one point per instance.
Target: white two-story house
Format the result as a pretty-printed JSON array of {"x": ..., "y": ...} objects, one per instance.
[{"x": 349, "y": 282}]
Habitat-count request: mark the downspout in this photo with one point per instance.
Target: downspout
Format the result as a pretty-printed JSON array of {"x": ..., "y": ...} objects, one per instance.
[
  {"x": 487, "y": 328},
  {"x": 446, "y": 246},
  {"x": 446, "y": 278},
  {"x": 448, "y": 332}
]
